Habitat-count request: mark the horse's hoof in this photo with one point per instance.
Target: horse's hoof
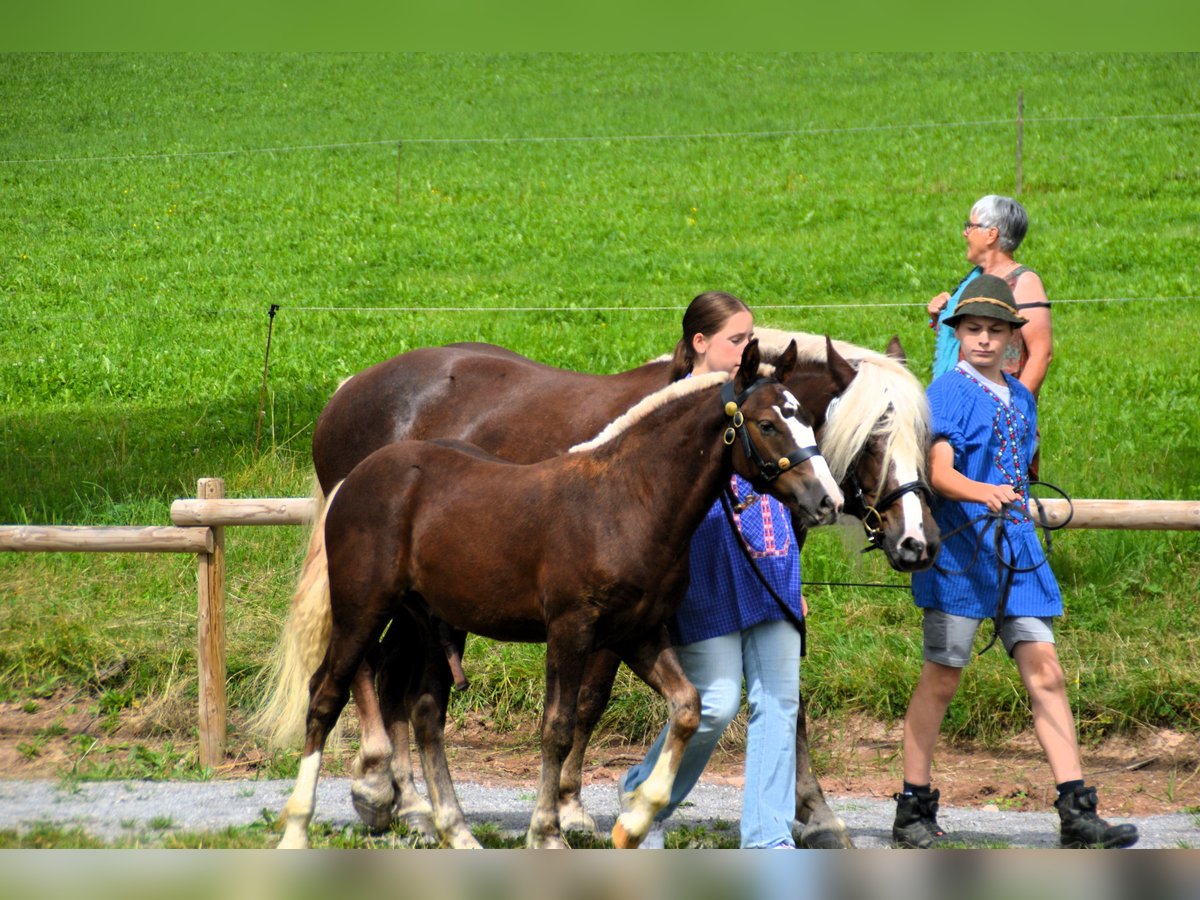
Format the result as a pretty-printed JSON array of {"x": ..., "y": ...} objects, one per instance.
[
  {"x": 825, "y": 837},
  {"x": 546, "y": 842},
  {"x": 373, "y": 804},
  {"x": 463, "y": 840},
  {"x": 418, "y": 823},
  {"x": 622, "y": 839},
  {"x": 573, "y": 817},
  {"x": 291, "y": 842}
]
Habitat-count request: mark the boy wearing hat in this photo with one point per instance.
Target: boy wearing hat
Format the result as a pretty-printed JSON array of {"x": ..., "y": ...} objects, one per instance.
[{"x": 984, "y": 424}]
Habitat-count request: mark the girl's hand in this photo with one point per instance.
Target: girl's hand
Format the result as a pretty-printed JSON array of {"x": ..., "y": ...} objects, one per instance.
[{"x": 803, "y": 606}]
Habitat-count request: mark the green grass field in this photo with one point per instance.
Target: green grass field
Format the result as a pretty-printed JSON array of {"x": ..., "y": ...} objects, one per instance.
[{"x": 568, "y": 207}]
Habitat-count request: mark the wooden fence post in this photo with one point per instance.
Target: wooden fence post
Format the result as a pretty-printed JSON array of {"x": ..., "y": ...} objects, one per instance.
[{"x": 210, "y": 626}]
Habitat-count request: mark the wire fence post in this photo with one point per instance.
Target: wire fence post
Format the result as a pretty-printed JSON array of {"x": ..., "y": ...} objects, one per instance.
[
  {"x": 399, "y": 147},
  {"x": 1020, "y": 138},
  {"x": 262, "y": 394}
]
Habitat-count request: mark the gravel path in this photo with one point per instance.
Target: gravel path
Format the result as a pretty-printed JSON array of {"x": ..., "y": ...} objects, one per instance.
[{"x": 111, "y": 810}]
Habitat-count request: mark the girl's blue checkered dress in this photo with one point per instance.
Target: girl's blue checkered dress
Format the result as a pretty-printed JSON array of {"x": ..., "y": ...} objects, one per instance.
[
  {"x": 993, "y": 442},
  {"x": 724, "y": 594}
]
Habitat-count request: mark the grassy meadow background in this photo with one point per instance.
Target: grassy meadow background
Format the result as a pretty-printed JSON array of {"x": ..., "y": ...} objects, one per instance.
[{"x": 567, "y": 207}]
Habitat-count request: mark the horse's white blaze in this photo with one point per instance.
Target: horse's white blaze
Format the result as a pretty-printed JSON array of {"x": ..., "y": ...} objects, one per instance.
[
  {"x": 910, "y": 503},
  {"x": 300, "y": 805},
  {"x": 804, "y": 436}
]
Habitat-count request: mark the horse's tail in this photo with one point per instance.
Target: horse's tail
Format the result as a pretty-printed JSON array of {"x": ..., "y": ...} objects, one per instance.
[{"x": 302, "y": 645}]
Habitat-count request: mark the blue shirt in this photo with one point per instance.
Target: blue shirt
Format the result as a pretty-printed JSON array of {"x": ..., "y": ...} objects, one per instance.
[
  {"x": 724, "y": 595},
  {"x": 992, "y": 442},
  {"x": 945, "y": 350}
]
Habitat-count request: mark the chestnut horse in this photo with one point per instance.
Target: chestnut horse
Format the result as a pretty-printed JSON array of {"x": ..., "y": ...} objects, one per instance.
[
  {"x": 875, "y": 444},
  {"x": 586, "y": 551}
]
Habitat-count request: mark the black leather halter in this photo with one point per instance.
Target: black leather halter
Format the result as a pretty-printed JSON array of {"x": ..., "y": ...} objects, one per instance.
[
  {"x": 872, "y": 513},
  {"x": 767, "y": 469},
  {"x": 769, "y": 472}
]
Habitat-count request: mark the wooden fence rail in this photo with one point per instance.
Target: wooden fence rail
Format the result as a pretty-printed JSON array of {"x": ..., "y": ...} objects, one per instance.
[
  {"x": 107, "y": 539},
  {"x": 262, "y": 511},
  {"x": 1114, "y": 515},
  {"x": 208, "y": 543},
  {"x": 200, "y": 528}
]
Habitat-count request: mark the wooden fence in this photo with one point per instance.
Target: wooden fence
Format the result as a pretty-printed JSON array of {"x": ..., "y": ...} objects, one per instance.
[{"x": 199, "y": 527}]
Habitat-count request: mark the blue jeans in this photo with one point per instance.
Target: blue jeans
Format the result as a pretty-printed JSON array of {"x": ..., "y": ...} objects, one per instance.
[{"x": 768, "y": 655}]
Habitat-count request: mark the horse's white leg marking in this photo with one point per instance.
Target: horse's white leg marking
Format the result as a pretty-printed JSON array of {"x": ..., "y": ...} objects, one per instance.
[
  {"x": 299, "y": 809},
  {"x": 652, "y": 795}
]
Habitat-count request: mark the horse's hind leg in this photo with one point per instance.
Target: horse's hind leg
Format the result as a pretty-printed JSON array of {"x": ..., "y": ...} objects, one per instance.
[
  {"x": 357, "y": 620},
  {"x": 427, "y": 705},
  {"x": 657, "y": 665},
  {"x": 371, "y": 790},
  {"x": 397, "y": 679},
  {"x": 330, "y": 690},
  {"x": 569, "y": 643},
  {"x": 594, "y": 693},
  {"x": 822, "y": 828}
]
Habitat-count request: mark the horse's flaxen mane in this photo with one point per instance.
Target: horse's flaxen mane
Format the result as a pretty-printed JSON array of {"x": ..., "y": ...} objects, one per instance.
[
  {"x": 885, "y": 399},
  {"x": 649, "y": 404}
]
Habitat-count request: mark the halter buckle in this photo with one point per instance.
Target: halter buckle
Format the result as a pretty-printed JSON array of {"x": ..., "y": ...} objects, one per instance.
[{"x": 872, "y": 528}]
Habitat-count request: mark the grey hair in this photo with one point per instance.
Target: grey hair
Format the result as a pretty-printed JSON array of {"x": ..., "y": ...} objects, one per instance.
[{"x": 1004, "y": 214}]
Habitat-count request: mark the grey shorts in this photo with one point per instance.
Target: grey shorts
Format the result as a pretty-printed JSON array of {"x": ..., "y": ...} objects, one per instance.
[{"x": 949, "y": 638}]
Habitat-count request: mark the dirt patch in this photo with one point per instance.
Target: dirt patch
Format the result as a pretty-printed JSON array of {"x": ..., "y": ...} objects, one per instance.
[{"x": 1145, "y": 773}]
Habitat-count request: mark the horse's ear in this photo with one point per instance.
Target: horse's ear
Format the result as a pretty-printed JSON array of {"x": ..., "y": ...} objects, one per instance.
[
  {"x": 747, "y": 372},
  {"x": 840, "y": 370},
  {"x": 786, "y": 364},
  {"x": 895, "y": 351}
]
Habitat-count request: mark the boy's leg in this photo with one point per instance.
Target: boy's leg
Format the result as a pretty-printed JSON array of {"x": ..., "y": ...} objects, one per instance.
[
  {"x": 923, "y": 720},
  {"x": 947, "y": 643},
  {"x": 1054, "y": 723},
  {"x": 947, "y": 649},
  {"x": 916, "y": 826}
]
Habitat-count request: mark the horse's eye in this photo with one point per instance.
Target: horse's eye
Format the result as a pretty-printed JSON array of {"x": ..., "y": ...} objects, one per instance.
[{"x": 766, "y": 427}]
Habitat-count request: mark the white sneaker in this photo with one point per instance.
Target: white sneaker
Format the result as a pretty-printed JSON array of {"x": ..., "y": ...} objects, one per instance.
[{"x": 656, "y": 837}]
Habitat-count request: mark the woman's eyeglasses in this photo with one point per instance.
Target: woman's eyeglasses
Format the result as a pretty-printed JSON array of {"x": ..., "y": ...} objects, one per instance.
[{"x": 968, "y": 225}]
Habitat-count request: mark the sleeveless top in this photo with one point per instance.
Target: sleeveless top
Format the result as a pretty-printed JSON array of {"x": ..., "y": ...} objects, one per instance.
[{"x": 947, "y": 352}]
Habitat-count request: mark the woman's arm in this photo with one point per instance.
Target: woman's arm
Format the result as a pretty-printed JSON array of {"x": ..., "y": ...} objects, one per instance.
[
  {"x": 1036, "y": 332},
  {"x": 954, "y": 485}
]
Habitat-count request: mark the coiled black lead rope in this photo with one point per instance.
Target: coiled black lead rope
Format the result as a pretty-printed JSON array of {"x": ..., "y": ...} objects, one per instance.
[{"x": 1008, "y": 570}]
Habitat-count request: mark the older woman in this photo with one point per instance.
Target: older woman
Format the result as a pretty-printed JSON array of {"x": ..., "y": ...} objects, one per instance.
[{"x": 993, "y": 231}]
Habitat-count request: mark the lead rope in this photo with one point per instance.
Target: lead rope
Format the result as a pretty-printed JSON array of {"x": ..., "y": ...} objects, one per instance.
[
  {"x": 787, "y": 610},
  {"x": 1007, "y": 570}
]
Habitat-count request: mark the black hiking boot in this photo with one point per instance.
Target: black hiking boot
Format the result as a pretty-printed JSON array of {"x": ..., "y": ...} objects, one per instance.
[
  {"x": 1082, "y": 828},
  {"x": 916, "y": 826}
]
